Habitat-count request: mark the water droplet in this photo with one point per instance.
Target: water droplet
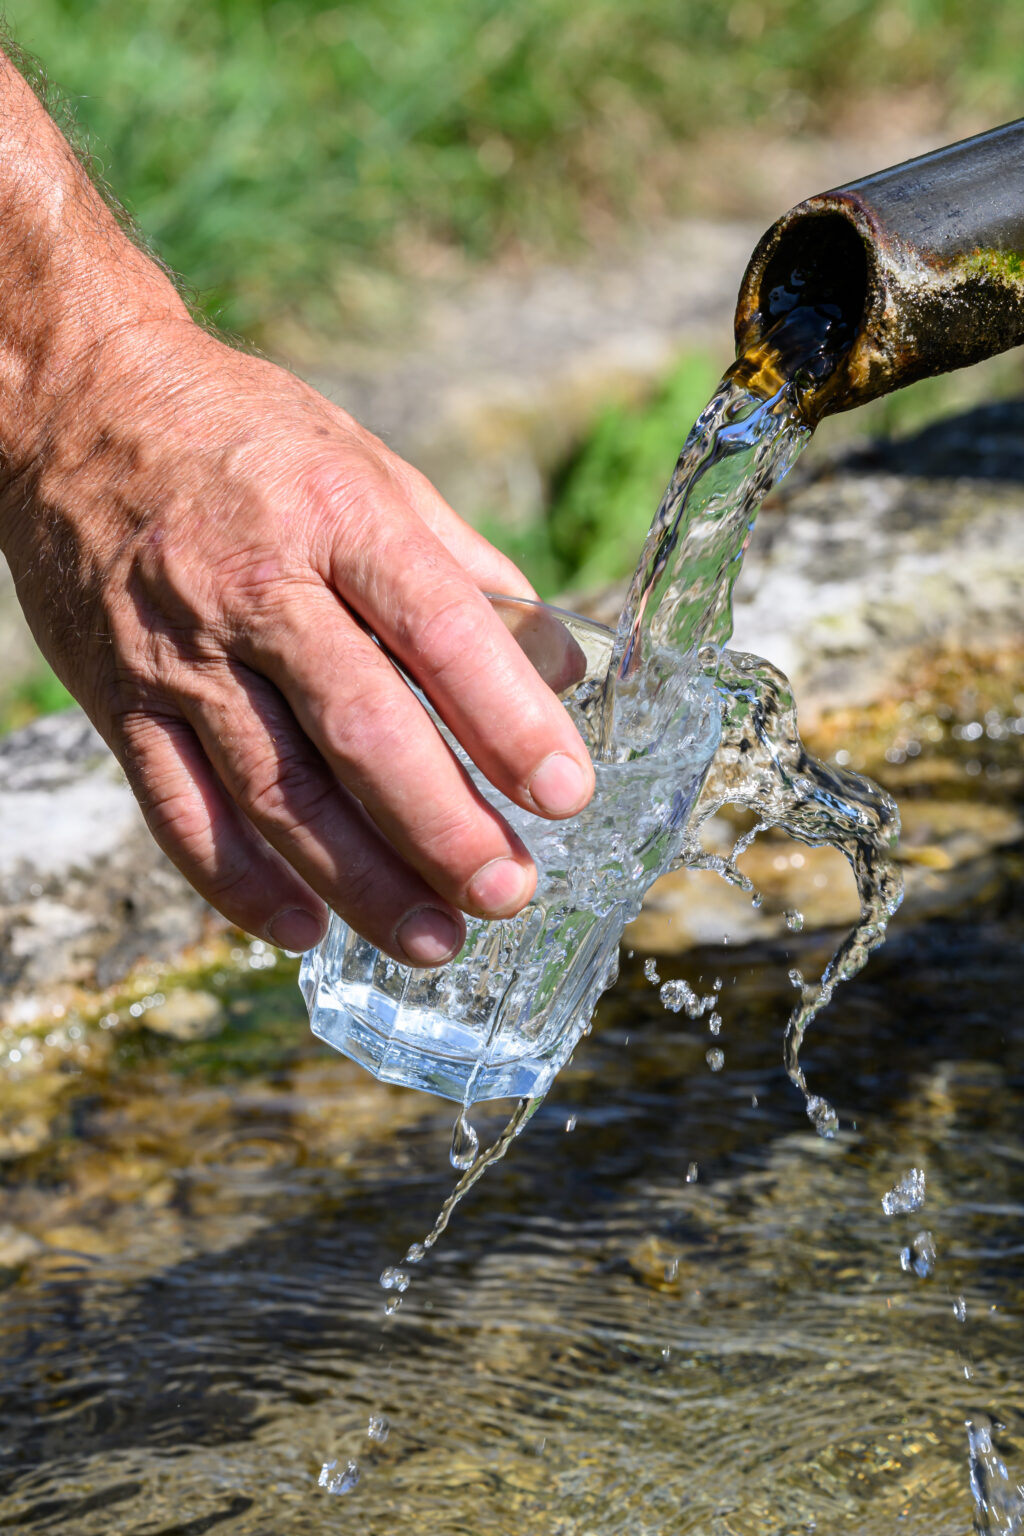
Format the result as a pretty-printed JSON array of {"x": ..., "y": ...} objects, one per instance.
[
  {"x": 715, "y": 1059},
  {"x": 416, "y": 1254},
  {"x": 822, "y": 1116},
  {"x": 715, "y": 1023},
  {"x": 921, "y": 1255},
  {"x": 570, "y": 1124},
  {"x": 465, "y": 1144},
  {"x": 717, "y": 984},
  {"x": 756, "y": 900},
  {"x": 692, "y": 1174},
  {"x": 907, "y": 1195},
  {"x": 393, "y": 1279},
  {"x": 671, "y": 1271},
  {"x": 651, "y": 972},
  {"x": 666, "y": 1353},
  {"x": 338, "y": 1482},
  {"x": 794, "y": 921},
  {"x": 960, "y": 1309},
  {"x": 378, "y": 1428},
  {"x": 677, "y": 996},
  {"x": 392, "y": 1304},
  {"x": 753, "y": 1101}
]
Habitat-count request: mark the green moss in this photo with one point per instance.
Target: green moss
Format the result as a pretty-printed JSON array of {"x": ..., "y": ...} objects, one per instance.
[{"x": 1008, "y": 266}]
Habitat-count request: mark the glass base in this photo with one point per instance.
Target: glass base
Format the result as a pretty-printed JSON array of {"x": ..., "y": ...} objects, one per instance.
[{"x": 418, "y": 1048}]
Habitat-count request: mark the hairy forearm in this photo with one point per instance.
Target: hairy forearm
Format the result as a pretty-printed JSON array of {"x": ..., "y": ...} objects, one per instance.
[{"x": 70, "y": 279}]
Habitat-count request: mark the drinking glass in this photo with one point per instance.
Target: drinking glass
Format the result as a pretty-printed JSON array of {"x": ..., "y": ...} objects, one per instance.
[{"x": 502, "y": 1017}]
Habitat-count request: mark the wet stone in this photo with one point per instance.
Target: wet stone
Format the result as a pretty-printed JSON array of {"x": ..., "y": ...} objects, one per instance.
[
  {"x": 186, "y": 1015},
  {"x": 16, "y": 1246}
]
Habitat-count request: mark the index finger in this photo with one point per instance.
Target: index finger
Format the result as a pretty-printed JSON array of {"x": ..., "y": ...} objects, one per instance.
[{"x": 440, "y": 626}]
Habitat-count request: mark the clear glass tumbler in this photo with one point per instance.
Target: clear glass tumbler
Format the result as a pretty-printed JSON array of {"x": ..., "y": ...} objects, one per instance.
[{"x": 504, "y": 1016}]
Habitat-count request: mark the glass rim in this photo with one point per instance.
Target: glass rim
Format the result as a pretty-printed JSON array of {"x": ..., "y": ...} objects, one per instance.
[{"x": 604, "y": 630}]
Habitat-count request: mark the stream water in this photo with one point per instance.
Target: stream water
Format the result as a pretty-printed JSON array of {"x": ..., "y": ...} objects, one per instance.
[{"x": 675, "y": 1311}]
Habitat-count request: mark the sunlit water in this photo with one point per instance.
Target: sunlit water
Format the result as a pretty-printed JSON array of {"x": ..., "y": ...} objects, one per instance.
[{"x": 686, "y": 1314}]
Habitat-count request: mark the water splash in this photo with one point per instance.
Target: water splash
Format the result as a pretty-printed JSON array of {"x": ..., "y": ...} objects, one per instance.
[
  {"x": 998, "y": 1502},
  {"x": 338, "y": 1482},
  {"x": 378, "y": 1428},
  {"x": 919, "y": 1256},
  {"x": 907, "y": 1195},
  {"x": 764, "y": 767}
]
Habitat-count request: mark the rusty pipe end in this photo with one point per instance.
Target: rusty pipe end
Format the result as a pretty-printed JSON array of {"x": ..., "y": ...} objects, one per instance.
[{"x": 908, "y": 312}]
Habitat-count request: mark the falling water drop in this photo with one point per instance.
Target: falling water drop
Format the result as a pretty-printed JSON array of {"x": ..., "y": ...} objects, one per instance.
[
  {"x": 692, "y": 1174},
  {"x": 393, "y": 1279},
  {"x": 822, "y": 1116},
  {"x": 465, "y": 1144},
  {"x": 378, "y": 1428},
  {"x": 338, "y": 1482},
  {"x": 651, "y": 972}
]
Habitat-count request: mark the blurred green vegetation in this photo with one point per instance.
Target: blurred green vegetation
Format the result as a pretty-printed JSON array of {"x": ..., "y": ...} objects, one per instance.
[
  {"x": 40, "y": 693},
  {"x": 270, "y": 147},
  {"x": 602, "y": 503}
]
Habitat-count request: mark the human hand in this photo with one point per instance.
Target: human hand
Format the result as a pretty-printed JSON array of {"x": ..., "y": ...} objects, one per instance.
[{"x": 203, "y": 546}]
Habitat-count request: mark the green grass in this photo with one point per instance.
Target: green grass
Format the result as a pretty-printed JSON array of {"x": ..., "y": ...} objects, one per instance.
[
  {"x": 273, "y": 148},
  {"x": 40, "y": 693},
  {"x": 602, "y": 503}
]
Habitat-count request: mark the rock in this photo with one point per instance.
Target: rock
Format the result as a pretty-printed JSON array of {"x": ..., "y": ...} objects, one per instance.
[
  {"x": 85, "y": 893},
  {"x": 186, "y": 1015},
  {"x": 16, "y": 1246}
]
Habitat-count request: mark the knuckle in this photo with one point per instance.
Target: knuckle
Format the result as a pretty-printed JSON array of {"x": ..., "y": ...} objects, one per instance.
[
  {"x": 453, "y": 636},
  {"x": 367, "y": 730},
  {"x": 360, "y": 885},
  {"x": 281, "y": 790}
]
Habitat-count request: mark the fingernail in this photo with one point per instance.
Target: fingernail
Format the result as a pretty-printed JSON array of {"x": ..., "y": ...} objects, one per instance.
[
  {"x": 499, "y": 887},
  {"x": 560, "y": 785},
  {"x": 296, "y": 929},
  {"x": 429, "y": 936}
]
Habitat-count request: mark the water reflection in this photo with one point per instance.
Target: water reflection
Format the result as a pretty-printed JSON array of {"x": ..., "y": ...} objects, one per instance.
[{"x": 192, "y": 1324}]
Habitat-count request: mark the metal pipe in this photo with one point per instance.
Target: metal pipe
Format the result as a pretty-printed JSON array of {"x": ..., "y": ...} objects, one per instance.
[{"x": 918, "y": 270}]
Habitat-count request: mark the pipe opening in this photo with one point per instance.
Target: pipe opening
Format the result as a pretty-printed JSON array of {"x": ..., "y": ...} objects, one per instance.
[{"x": 811, "y": 301}]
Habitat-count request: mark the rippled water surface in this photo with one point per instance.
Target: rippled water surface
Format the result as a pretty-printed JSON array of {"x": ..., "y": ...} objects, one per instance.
[{"x": 193, "y": 1233}]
